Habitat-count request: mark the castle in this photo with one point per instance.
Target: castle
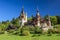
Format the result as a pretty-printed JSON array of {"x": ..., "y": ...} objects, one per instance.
[{"x": 36, "y": 21}]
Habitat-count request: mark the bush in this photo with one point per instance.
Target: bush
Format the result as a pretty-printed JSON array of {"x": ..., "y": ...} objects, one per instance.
[
  {"x": 25, "y": 28},
  {"x": 38, "y": 30},
  {"x": 32, "y": 29},
  {"x": 15, "y": 32},
  {"x": 57, "y": 28},
  {"x": 2, "y": 32},
  {"x": 49, "y": 32},
  {"x": 25, "y": 33},
  {"x": 53, "y": 30},
  {"x": 10, "y": 31}
]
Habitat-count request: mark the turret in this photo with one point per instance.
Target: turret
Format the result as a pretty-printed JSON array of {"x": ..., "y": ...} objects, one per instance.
[
  {"x": 38, "y": 18},
  {"x": 38, "y": 15},
  {"x": 22, "y": 17},
  {"x": 22, "y": 13}
]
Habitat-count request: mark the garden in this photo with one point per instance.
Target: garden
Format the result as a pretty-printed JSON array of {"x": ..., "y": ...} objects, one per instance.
[{"x": 15, "y": 32}]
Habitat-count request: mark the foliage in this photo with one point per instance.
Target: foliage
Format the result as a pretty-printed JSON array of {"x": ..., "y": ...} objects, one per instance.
[
  {"x": 57, "y": 28},
  {"x": 11, "y": 31},
  {"x": 30, "y": 18},
  {"x": 25, "y": 33},
  {"x": 3, "y": 26},
  {"x": 1, "y": 32},
  {"x": 26, "y": 30},
  {"x": 58, "y": 19},
  {"x": 38, "y": 30},
  {"x": 46, "y": 17},
  {"x": 49, "y": 32},
  {"x": 32, "y": 29},
  {"x": 53, "y": 20},
  {"x": 15, "y": 21}
]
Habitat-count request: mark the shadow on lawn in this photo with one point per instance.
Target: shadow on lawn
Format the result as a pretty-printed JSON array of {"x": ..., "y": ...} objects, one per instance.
[
  {"x": 35, "y": 35},
  {"x": 35, "y": 38}
]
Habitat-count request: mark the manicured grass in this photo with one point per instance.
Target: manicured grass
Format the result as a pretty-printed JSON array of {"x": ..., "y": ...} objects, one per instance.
[{"x": 16, "y": 37}]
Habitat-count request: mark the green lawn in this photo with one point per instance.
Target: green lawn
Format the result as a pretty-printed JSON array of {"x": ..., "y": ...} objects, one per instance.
[{"x": 42, "y": 37}]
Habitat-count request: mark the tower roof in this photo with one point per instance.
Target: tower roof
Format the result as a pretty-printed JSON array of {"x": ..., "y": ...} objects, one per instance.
[
  {"x": 37, "y": 13},
  {"x": 22, "y": 10},
  {"x": 22, "y": 13},
  {"x": 37, "y": 9}
]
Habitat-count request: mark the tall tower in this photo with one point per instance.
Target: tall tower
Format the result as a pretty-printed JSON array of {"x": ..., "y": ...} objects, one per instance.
[
  {"x": 22, "y": 13},
  {"x": 38, "y": 18},
  {"x": 23, "y": 17}
]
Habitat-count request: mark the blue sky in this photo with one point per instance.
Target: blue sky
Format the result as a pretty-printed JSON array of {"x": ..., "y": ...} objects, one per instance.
[{"x": 11, "y": 8}]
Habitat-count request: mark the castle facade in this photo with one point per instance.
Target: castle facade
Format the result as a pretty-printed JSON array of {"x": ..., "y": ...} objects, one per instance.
[{"x": 36, "y": 21}]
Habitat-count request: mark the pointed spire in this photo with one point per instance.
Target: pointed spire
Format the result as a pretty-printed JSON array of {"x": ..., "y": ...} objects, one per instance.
[
  {"x": 22, "y": 10},
  {"x": 37, "y": 9},
  {"x": 37, "y": 12}
]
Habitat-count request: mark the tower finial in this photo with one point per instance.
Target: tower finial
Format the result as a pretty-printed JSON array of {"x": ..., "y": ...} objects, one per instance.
[
  {"x": 37, "y": 9},
  {"x": 22, "y": 10}
]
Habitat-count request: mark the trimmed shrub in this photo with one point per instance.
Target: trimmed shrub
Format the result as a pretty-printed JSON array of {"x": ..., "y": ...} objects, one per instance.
[
  {"x": 38, "y": 30},
  {"x": 16, "y": 32},
  {"x": 49, "y": 32},
  {"x": 32, "y": 29},
  {"x": 57, "y": 28},
  {"x": 2, "y": 32},
  {"x": 10, "y": 31},
  {"x": 25, "y": 33}
]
